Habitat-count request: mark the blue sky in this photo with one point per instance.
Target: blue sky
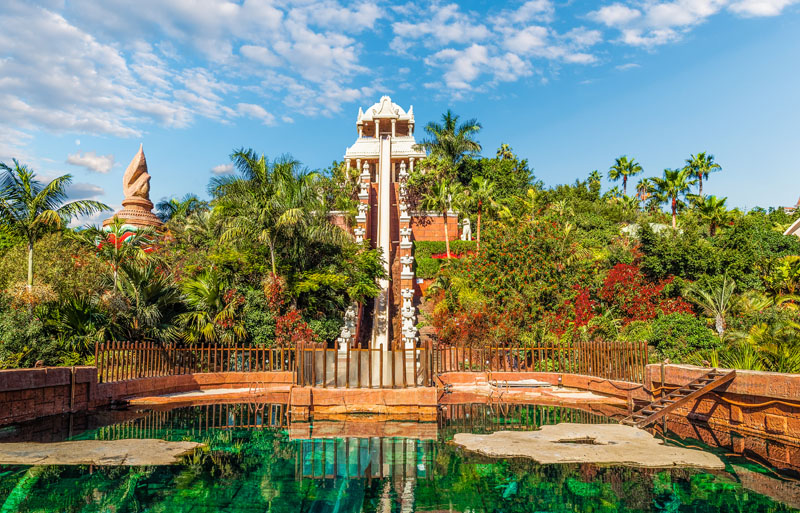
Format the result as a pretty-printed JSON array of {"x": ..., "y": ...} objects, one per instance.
[{"x": 570, "y": 85}]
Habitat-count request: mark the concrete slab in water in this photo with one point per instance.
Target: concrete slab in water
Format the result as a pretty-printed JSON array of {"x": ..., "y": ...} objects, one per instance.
[
  {"x": 131, "y": 452},
  {"x": 612, "y": 444}
]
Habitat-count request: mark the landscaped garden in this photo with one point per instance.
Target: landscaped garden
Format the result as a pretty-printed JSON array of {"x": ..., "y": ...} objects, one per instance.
[{"x": 258, "y": 263}]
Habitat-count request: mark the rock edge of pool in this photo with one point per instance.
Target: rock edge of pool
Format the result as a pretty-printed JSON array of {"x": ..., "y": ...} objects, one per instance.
[
  {"x": 129, "y": 452},
  {"x": 609, "y": 444}
]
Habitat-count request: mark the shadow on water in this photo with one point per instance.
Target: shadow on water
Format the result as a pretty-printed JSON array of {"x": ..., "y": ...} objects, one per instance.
[{"x": 254, "y": 461}]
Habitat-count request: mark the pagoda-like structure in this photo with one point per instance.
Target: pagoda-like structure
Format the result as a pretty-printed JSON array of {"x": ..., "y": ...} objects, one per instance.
[
  {"x": 384, "y": 155},
  {"x": 137, "y": 209}
]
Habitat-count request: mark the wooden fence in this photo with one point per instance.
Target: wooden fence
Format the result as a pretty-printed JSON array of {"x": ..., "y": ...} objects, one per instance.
[
  {"x": 364, "y": 368},
  {"x": 119, "y": 361},
  {"x": 370, "y": 368},
  {"x": 624, "y": 361}
]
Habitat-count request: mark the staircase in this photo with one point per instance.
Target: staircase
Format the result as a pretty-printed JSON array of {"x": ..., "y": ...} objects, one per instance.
[{"x": 689, "y": 392}]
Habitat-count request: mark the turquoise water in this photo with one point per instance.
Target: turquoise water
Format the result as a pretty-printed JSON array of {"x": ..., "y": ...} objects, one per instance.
[{"x": 254, "y": 462}]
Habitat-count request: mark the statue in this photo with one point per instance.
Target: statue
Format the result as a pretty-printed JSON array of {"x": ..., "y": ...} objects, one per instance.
[
  {"x": 407, "y": 262},
  {"x": 405, "y": 237},
  {"x": 466, "y": 230},
  {"x": 362, "y": 213},
  {"x": 137, "y": 207},
  {"x": 359, "y": 233}
]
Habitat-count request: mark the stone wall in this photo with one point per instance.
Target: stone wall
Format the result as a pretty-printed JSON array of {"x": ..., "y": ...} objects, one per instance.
[
  {"x": 761, "y": 403},
  {"x": 27, "y": 394},
  {"x": 431, "y": 227}
]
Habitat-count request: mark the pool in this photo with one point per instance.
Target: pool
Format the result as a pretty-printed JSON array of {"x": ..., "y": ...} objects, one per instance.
[{"x": 256, "y": 462}]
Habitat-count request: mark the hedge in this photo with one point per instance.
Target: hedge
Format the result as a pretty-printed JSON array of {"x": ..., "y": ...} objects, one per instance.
[{"x": 426, "y": 265}]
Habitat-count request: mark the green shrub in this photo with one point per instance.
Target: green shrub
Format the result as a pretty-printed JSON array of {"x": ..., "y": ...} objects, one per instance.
[
  {"x": 679, "y": 335},
  {"x": 427, "y": 267}
]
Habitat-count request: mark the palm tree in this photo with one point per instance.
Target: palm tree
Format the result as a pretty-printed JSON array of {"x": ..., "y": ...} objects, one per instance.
[
  {"x": 151, "y": 302},
  {"x": 272, "y": 203},
  {"x": 504, "y": 152},
  {"x": 212, "y": 311},
  {"x": 179, "y": 208},
  {"x": 700, "y": 166},
  {"x": 482, "y": 195},
  {"x": 450, "y": 140},
  {"x": 713, "y": 211},
  {"x": 644, "y": 188},
  {"x": 30, "y": 209},
  {"x": 623, "y": 168},
  {"x": 671, "y": 187},
  {"x": 443, "y": 195},
  {"x": 117, "y": 243},
  {"x": 715, "y": 302},
  {"x": 595, "y": 180}
]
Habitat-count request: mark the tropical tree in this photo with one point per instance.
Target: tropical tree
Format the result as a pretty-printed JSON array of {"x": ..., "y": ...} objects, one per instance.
[
  {"x": 148, "y": 303},
  {"x": 715, "y": 302},
  {"x": 671, "y": 187},
  {"x": 700, "y": 166},
  {"x": 504, "y": 152},
  {"x": 481, "y": 195},
  {"x": 179, "y": 208},
  {"x": 712, "y": 210},
  {"x": 117, "y": 243},
  {"x": 622, "y": 169},
  {"x": 213, "y": 311},
  {"x": 443, "y": 196},
  {"x": 595, "y": 181},
  {"x": 644, "y": 188},
  {"x": 30, "y": 208},
  {"x": 451, "y": 140},
  {"x": 272, "y": 203}
]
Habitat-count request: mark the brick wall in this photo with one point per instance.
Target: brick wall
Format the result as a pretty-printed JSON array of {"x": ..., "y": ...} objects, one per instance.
[
  {"x": 755, "y": 402},
  {"x": 27, "y": 394},
  {"x": 432, "y": 227}
]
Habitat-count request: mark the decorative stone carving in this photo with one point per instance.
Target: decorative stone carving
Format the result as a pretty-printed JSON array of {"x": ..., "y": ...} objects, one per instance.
[
  {"x": 363, "y": 193},
  {"x": 407, "y": 262},
  {"x": 359, "y": 233},
  {"x": 362, "y": 213},
  {"x": 136, "y": 207},
  {"x": 405, "y": 238},
  {"x": 403, "y": 175},
  {"x": 404, "y": 217},
  {"x": 365, "y": 176},
  {"x": 466, "y": 229},
  {"x": 408, "y": 297},
  {"x": 349, "y": 328}
]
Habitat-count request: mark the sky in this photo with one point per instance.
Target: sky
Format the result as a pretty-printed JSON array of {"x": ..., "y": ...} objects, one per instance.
[{"x": 570, "y": 85}]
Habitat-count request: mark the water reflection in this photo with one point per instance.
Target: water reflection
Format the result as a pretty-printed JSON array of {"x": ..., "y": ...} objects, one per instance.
[{"x": 256, "y": 462}]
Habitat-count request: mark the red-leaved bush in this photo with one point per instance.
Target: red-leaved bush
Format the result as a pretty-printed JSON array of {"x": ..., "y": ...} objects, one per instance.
[{"x": 636, "y": 298}]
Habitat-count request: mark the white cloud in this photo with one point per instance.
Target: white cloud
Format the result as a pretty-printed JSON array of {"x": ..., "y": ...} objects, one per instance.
[
  {"x": 752, "y": 8},
  {"x": 260, "y": 54},
  {"x": 92, "y": 161},
  {"x": 256, "y": 112},
  {"x": 527, "y": 39},
  {"x": 615, "y": 15},
  {"x": 82, "y": 191},
  {"x": 222, "y": 169},
  {"x": 627, "y": 66},
  {"x": 442, "y": 25}
]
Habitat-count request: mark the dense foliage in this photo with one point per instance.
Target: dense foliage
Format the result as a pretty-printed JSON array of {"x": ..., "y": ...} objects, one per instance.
[
  {"x": 260, "y": 262},
  {"x": 257, "y": 264}
]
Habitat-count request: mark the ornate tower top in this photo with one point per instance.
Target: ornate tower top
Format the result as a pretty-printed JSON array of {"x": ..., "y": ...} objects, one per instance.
[{"x": 137, "y": 209}]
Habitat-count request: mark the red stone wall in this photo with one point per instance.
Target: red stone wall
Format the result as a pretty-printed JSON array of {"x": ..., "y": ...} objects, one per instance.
[
  {"x": 27, "y": 394},
  {"x": 762, "y": 403}
]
